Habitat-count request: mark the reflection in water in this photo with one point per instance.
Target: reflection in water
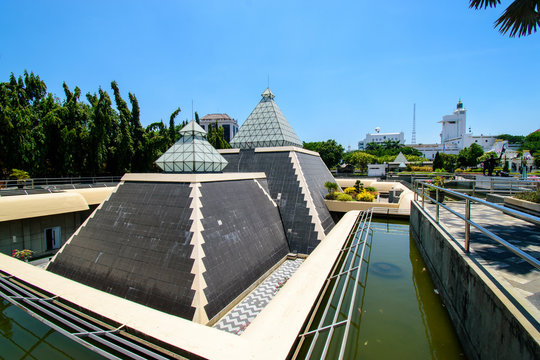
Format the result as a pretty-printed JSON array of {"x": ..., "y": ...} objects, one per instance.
[
  {"x": 5, "y": 322},
  {"x": 23, "y": 337},
  {"x": 440, "y": 338},
  {"x": 386, "y": 270}
]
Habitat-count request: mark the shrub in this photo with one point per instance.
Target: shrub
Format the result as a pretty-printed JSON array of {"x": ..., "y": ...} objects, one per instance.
[
  {"x": 358, "y": 186},
  {"x": 331, "y": 186},
  {"x": 332, "y": 196},
  {"x": 365, "y": 196},
  {"x": 440, "y": 170},
  {"x": 458, "y": 170},
  {"x": 371, "y": 189},
  {"x": 19, "y": 174},
  {"x": 343, "y": 197},
  {"x": 350, "y": 191},
  {"x": 421, "y": 168},
  {"x": 532, "y": 196}
]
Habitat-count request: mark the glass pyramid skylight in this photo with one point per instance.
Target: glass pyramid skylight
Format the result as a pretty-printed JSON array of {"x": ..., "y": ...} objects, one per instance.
[
  {"x": 192, "y": 153},
  {"x": 265, "y": 127}
]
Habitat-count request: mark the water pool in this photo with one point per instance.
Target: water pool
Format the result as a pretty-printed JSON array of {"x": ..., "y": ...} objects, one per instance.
[{"x": 397, "y": 313}]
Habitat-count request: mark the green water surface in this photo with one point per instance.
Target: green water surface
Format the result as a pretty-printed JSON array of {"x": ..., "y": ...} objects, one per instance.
[
  {"x": 23, "y": 337},
  {"x": 398, "y": 313}
]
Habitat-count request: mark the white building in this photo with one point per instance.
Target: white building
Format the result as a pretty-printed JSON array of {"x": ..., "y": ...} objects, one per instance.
[
  {"x": 454, "y": 136},
  {"x": 379, "y": 138},
  {"x": 229, "y": 125}
]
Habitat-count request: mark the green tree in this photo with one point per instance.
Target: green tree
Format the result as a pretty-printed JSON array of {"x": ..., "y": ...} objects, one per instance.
[
  {"x": 137, "y": 134},
  {"x": 437, "y": 162},
  {"x": 126, "y": 151},
  {"x": 520, "y": 18},
  {"x": 512, "y": 139},
  {"x": 174, "y": 136},
  {"x": 103, "y": 128},
  {"x": 330, "y": 151},
  {"x": 469, "y": 155},
  {"x": 449, "y": 161},
  {"x": 407, "y": 150},
  {"x": 362, "y": 159},
  {"x": 216, "y": 137},
  {"x": 531, "y": 142},
  {"x": 157, "y": 142}
]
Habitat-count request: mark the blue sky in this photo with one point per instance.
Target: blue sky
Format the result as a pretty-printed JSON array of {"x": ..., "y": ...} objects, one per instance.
[{"x": 338, "y": 69}]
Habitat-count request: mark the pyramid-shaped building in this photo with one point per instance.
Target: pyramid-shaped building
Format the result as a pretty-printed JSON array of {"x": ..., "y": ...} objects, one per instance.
[
  {"x": 192, "y": 153},
  {"x": 265, "y": 126},
  {"x": 267, "y": 143},
  {"x": 189, "y": 242}
]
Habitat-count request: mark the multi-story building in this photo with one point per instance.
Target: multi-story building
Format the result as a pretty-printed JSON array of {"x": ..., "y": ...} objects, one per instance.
[
  {"x": 229, "y": 125},
  {"x": 454, "y": 136},
  {"x": 379, "y": 138}
]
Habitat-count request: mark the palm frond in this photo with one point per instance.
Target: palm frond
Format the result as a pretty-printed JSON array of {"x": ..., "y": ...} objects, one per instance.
[
  {"x": 521, "y": 18},
  {"x": 478, "y": 4}
]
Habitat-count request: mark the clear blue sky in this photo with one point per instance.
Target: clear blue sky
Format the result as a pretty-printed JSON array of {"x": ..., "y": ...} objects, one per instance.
[{"x": 338, "y": 69}]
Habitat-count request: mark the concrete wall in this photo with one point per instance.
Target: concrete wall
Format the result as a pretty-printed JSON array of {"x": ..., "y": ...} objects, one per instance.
[
  {"x": 487, "y": 323},
  {"x": 30, "y": 233}
]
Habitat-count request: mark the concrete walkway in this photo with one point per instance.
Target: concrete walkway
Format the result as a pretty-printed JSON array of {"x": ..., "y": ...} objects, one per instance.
[{"x": 513, "y": 274}]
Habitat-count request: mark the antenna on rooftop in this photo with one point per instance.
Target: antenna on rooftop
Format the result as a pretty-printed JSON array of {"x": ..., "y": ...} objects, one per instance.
[
  {"x": 413, "y": 140},
  {"x": 192, "y": 117},
  {"x": 268, "y": 80}
]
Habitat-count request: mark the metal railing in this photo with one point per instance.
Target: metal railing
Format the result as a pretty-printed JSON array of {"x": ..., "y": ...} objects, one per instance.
[
  {"x": 110, "y": 341},
  {"x": 498, "y": 185},
  {"x": 354, "y": 257},
  {"x": 48, "y": 182},
  {"x": 423, "y": 187}
]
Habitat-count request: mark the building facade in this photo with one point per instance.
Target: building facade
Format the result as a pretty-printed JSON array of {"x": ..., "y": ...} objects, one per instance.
[
  {"x": 379, "y": 138},
  {"x": 454, "y": 136},
  {"x": 229, "y": 125}
]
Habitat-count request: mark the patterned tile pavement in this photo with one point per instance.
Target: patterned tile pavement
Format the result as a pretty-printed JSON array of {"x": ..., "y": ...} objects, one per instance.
[
  {"x": 519, "y": 274},
  {"x": 239, "y": 318}
]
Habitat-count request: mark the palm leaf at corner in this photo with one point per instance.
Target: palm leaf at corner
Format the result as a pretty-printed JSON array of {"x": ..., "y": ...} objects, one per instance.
[
  {"x": 521, "y": 17},
  {"x": 478, "y": 4}
]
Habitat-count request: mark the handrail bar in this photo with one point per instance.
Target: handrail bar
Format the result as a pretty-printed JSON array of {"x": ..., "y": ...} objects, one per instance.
[
  {"x": 531, "y": 260},
  {"x": 530, "y": 218},
  {"x": 516, "y": 213}
]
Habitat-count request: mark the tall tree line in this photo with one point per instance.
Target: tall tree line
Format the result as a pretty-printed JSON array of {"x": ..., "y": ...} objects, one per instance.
[{"x": 50, "y": 137}]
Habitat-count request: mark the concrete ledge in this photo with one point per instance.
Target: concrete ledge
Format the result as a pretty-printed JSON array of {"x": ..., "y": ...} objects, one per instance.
[
  {"x": 94, "y": 196},
  {"x": 488, "y": 324},
  {"x": 189, "y": 178},
  {"x": 228, "y": 151},
  {"x": 345, "y": 206},
  {"x": 28, "y": 206},
  {"x": 286, "y": 149},
  {"x": 345, "y": 183},
  {"x": 522, "y": 205},
  {"x": 494, "y": 198}
]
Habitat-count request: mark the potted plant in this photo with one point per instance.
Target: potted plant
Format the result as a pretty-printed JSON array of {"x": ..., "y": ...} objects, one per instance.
[
  {"x": 24, "y": 254},
  {"x": 438, "y": 196}
]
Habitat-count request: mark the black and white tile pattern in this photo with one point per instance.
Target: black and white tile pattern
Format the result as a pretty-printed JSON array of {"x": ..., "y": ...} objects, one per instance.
[{"x": 239, "y": 318}]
